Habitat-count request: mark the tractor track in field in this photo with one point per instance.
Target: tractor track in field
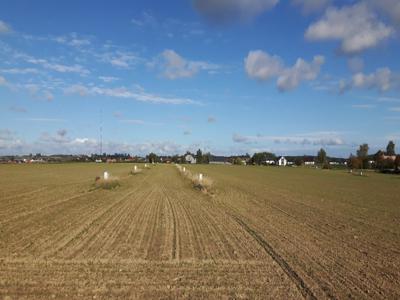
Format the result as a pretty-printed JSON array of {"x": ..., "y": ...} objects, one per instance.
[{"x": 294, "y": 277}]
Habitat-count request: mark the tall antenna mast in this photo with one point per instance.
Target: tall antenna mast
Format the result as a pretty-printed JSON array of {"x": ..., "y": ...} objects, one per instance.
[{"x": 101, "y": 132}]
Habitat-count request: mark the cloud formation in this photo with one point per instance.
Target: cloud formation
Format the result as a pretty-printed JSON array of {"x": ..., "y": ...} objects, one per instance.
[
  {"x": 4, "y": 27},
  {"x": 382, "y": 79},
  {"x": 175, "y": 66},
  {"x": 227, "y": 11},
  {"x": 316, "y": 139},
  {"x": 312, "y": 6},
  {"x": 138, "y": 94},
  {"x": 356, "y": 27},
  {"x": 262, "y": 66}
]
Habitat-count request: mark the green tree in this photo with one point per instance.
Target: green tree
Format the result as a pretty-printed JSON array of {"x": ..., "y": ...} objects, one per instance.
[
  {"x": 152, "y": 157},
  {"x": 390, "y": 149},
  {"x": 354, "y": 162},
  {"x": 321, "y": 157},
  {"x": 206, "y": 158},
  {"x": 362, "y": 154},
  {"x": 261, "y": 157},
  {"x": 199, "y": 157}
]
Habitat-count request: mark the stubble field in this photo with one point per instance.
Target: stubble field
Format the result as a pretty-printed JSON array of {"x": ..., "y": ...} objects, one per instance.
[{"x": 261, "y": 232}]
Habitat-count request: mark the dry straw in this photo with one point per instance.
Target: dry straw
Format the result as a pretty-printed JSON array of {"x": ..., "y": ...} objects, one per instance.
[
  {"x": 107, "y": 182},
  {"x": 136, "y": 171},
  {"x": 199, "y": 181}
]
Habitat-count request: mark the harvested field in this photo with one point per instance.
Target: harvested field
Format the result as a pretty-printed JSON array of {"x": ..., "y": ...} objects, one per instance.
[{"x": 264, "y": 233}]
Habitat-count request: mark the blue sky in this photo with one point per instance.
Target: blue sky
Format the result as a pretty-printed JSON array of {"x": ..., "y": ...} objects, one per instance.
[{"x": 229, "y": 77}]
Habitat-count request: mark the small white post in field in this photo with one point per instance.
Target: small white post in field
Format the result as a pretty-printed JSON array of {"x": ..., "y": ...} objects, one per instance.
[
  {"x": 135, "y": 168},
  {"x": 184, "y": 169},
  {"x": 200, "y": 177},
  {"x": 145, "y": 165},
  {"x": 106, "y": 175}
]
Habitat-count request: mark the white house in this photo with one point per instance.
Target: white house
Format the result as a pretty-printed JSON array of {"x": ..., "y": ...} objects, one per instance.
[
  {"x": 190, "y": 159},
  {"x": 282, "y": 161},
  {"x": 270, "y": 162}
]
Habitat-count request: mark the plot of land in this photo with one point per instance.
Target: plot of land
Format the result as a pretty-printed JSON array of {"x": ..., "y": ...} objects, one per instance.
[{"x": 263, "y": 233}]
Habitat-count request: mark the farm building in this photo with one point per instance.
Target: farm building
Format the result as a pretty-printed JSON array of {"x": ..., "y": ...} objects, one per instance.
[
  {"x": 190, "y": 159},
  {"x": 270, "y": 162},
  {"x": 282, "y": 161}
]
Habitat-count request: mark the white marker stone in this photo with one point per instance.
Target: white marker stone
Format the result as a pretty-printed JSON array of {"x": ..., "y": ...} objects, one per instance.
[
  {"x": 145, "y": 165},
  {"x": 106, "y": 175},
  {"x": 200, "y": 177},
  {"x": 135, "y": 168},
  {"x": 184, "y": 169}
]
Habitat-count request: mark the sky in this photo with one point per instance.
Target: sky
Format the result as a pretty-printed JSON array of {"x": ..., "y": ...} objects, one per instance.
[{"x": 226, "y": 76}]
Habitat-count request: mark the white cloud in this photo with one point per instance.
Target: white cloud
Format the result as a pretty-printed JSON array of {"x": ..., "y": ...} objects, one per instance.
[
  {"x": 225, "y": 11},
  {"x": 301, "y": 71},
  {"x": 72, "y": 40},
  {"x": 396, "y": 109},
  {"x": 316, "y": 138},
  {"x": 58, "y": 67},
  {"x": 9, "y": 142},
  {"x": 42, "y": 120},
  {"x": 389, "y": 7},
  {"x": 3, "y": 81},
  {"x": 382, "y": 80},
  {"x": 120, "y": 59},
  {"x": 140, "y": 122},
  {"x": 23, "y": 71},
  {"x": 363, "y": 106},
  {"x": 4, "y": 27},
  {"x": 211, "y": 119},
  {"x": 262, "y": 66},
  {"x": 18, "y": 109},
  {"x": 139, "y": 94},
  {"x": 175, "y": 66},
  {"x": 356, "y": 27},
  {"x": 311, "y": 6},
  {"x": 145, "y": 19},
  {"x": 108, "y": 79}
]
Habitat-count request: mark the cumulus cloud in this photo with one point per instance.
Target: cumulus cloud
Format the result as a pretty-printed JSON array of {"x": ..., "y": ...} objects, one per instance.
[
  {"x": 138, "y": 94},
  {"x": 382, "y": 80},
  {"x": 388, "y": 7},
  {"x": 174, "y": 66},
  {"x": 9, "y": 141},
  {"x": 316, "y": 139},
  {"x": 356, "y": 27},
  {"x": 4, "y": 27},
  {"x": 187, "y": 132},
  {"x": 311, "y": 6},
  {"x": 263, "y": 66},
  {"x": 226, "y": 11},
  {"x": 211, "y": 119}
]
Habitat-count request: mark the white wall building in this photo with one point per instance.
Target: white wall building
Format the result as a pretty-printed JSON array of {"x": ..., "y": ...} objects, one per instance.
[
  {"x": 282, "y": 161},
  {"x": 190, "y": 159}
]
